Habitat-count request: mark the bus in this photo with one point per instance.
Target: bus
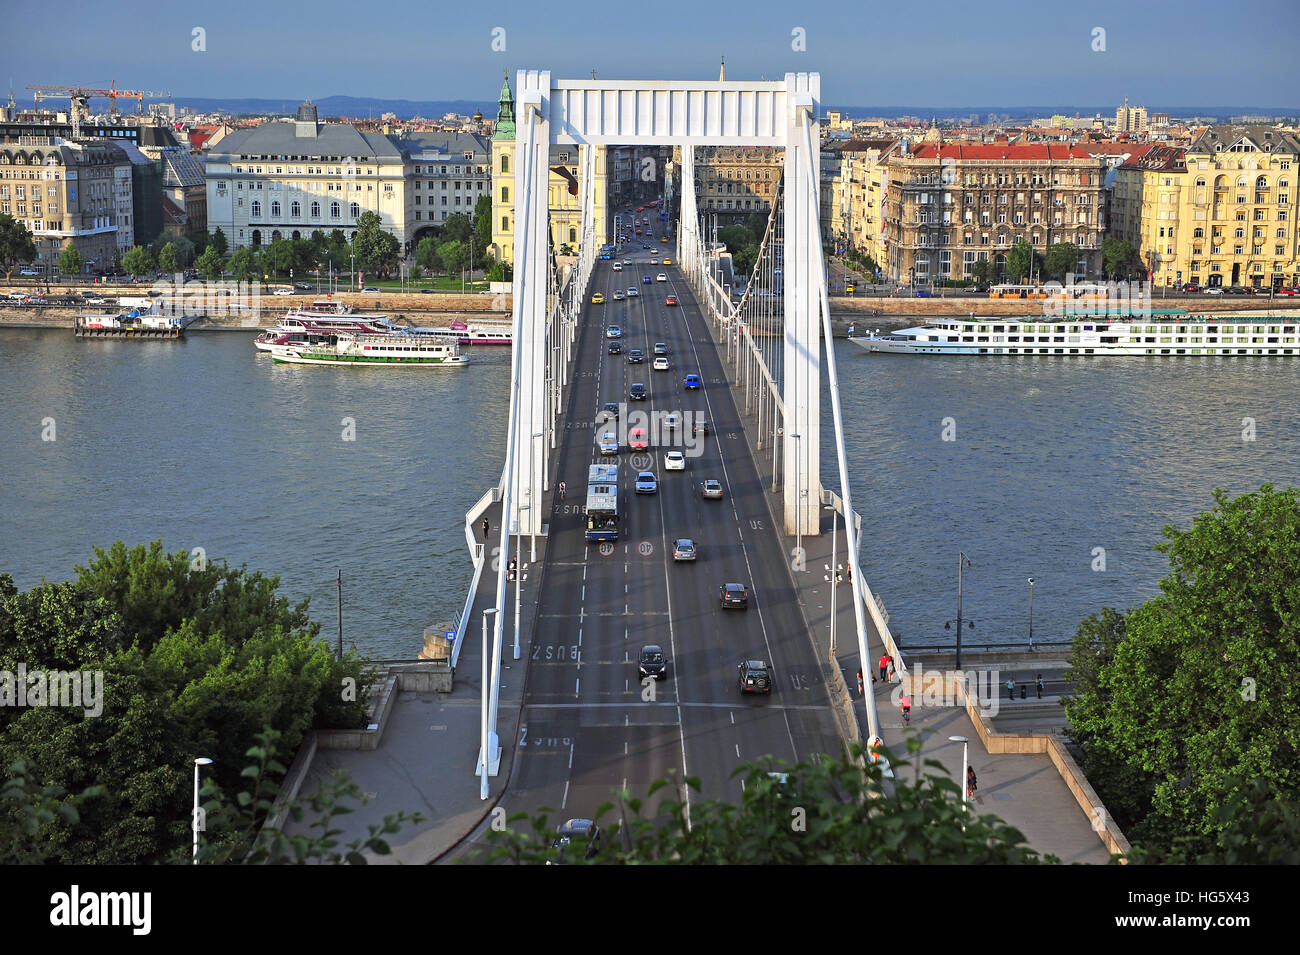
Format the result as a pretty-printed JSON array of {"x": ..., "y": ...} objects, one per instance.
[
  {"x": 602, "y": 503},
  {"x": 607, "y": 251}
]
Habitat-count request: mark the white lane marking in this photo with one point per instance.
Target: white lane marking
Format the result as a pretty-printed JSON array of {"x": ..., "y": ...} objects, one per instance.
[
  {"x": 744, "y": 550},
  {"x": 584, "y": 572},
  {"x": 584, "y": 593},
  {"x": 625, "y": 751},
  {"x": 565, "y": 798},
  {"x": 570, "y": 755},
  {"x": 577, "y": 685},
  {"x": 732, "y": 714},
  {"x": 579, "y": 636},
  {"x": 737, "y": 751}
]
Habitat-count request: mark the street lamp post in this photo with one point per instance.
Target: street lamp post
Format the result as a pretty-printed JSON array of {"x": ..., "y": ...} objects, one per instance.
[
  {"x": 834, "y": 578},
  {"x": 798, "y": 509},
  {"x": 483, "y": 709},
  {"x": 519, "y": 570},
  {"x": 533, "y": 529},
  {"x": 965, "y": 789},
  {"x": 1031, "y": 613},
  {"x": 194, "y": 820},
  {"x": 962, "y": 562}
]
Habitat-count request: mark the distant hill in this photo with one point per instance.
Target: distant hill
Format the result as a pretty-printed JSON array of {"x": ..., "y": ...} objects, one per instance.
[
  {"x": 356, "y": 107},
  {"x": 1220, "y": 113}
]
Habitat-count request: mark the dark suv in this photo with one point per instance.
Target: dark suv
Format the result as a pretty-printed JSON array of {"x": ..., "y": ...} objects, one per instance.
[
  {"x": 637, "y": 392},
  {"x": 635, "y": 356},
  {"x": 754, "y": 677},
  {"x": 653, "y": 662},
  {"x": 734, "y": 597},
  {"x": 581, "y": 829}
]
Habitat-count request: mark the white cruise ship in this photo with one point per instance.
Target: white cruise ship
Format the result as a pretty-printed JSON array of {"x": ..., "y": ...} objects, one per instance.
[
  {"x": 1164, "y": 333},
  {"x": 360, "y": 351}
]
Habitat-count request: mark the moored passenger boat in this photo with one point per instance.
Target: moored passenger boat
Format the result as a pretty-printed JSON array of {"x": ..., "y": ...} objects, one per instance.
[{"x": 367, "y": 350}]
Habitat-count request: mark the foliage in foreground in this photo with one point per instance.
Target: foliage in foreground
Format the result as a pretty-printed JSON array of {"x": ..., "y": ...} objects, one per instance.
[{"x": 813, "y": 813}]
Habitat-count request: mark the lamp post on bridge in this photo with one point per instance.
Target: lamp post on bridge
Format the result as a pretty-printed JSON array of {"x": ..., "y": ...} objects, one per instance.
[
  {"x": 962, "y": 561},
  {"x": 519, "y": 570},
  {"x": 965, "y": 750},
  {"x": 1031, "y": 613},
  {"x": 798, "y": 504},
  {"x": 197, "y": 816},
  {"x": 484, "y": 743},
  {"x": 835, "y": 570}
]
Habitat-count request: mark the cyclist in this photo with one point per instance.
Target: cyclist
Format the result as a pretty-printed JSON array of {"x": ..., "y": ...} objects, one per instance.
[
  {"x": 970, "y": 782},
  {"x": 561, "y": 490},
  {"x": 906, "y": 704}
]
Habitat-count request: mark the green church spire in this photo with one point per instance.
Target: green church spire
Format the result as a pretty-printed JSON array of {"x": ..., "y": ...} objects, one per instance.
[{"x": 505, "y": 128}]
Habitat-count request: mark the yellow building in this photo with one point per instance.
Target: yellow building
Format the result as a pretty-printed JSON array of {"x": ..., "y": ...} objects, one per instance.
[
  {"x": 856, "y": 190},
  {"x": 1218, "y": 213},
  {"x": 565, "y": 208}
]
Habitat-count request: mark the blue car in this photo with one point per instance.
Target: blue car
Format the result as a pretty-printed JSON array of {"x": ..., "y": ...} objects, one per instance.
[
  {"x": 646, "y": 279},
  {"x": 692, "y": 381},
  {"x": 646, "y": 483}
]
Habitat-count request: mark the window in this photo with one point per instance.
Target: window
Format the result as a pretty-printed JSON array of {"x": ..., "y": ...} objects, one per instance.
[
  {"x": 256, "y": 209},
  {"x": 505, "y": 224},
  {"x": 315, "y": 210},
  {"x": 334, "y": 210},
  {"x": 275, "y": 208},
  {"x": 505, "y": 193},
  {"x": 354, "y": 210},
  {"x": 295, "y": 209}
]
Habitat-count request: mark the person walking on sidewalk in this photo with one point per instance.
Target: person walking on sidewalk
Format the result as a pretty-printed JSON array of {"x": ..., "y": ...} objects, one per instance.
[
  {"x": 1040, "y": 686},
  {"x": 486, "y": 528},
  {"x": 860, "y": 693},
  {"x": 905, "y": 703},
  {"x": 891, "y": 669},
  {"x": 971, "y": 782},
  {"x": 884, "y": 666},
  {"x": 1011, "y": 689}
]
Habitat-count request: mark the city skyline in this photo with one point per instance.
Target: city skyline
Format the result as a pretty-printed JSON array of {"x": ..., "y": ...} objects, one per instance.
[{"x": 997, "y": 58}]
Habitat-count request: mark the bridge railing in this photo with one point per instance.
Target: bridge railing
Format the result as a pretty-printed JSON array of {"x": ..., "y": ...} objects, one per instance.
[{"x": 478, "y": 554}]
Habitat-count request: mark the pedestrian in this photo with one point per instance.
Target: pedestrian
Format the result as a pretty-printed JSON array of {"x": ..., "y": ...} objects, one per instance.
[
  {"x": 860, "y": 693},
  {"x": 971, "y": 782},
  {"x": 1011, "y": 689},
  {"x": 884, "y": 666},
  {"x": 891, "y": 669},
  {"x": 906, "y": 704},
  {"x": 1040, "y": 686},
  {"x": 486, "y": 527}
]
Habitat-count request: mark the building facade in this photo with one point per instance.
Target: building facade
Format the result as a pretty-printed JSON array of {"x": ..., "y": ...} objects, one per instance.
[
  {"x": 946, "y": 207},
  {"x": 69, "y": 193},
  {"x": 446, "y": 175}
]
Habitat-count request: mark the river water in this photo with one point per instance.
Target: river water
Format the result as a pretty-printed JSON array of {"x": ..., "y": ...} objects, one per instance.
[{"x": 206, "y": 443}]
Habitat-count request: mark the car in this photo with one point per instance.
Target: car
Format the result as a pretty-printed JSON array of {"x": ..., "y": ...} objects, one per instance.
[
  {"x": 755, "y": 677},
  {"x": 924, "y": 293},
  {"x": 699, "y": 426},
  {"x": 635, "y": 356},
  {"x": 617, "y": 267},
  {"x": 652, "y": 662},
  {"x": 633, "y": 292},
  {"x": 1288, "y": 291},
  {"x": 692, "y": 381},
  {"x": 674, "y": 461},
  {"x": 667, "y": 261},
  {"x": 627, "y": 261},
  {"x": 585, "y": 831},
  {"x": 609, "y": 410},
  {"x": 638, "y": 231},
  {"x": 615, "y": 348},
  {"x": 609, "y": 443},
  {"x": 619, "y": 295},
  {"x": 646, "y": 483},
  {"x": 371, "y": 288},
  {"x": 637, "y": 392},
  {"x": 654, "y": 251},
  {"x": 283, "y": 291},
  {"x": 734, "y": 597},
  {"x": 1236, "y": 290},
  {"x": 1214, "y": 290},
  {"x": 850, "y": 288},
  {"x": 598, "y": 298},
  {"x": 684, "y": 549},
  {"x": 661, "y": 363},
  {"x": 95, "y": 300},
  {"x": 661, "y": 277},
  {"x": 671, "y": 421},
  {"x": 636, "y": 440},
  {"x": 646, "y": 280},
  {"x": 661, "y": 348},
  {"x": 646, "y": 246},
  {"x": 33, "y": 299},
  {"x": 29, "y": 273},
  {"x": 305, "y": 286},
  {"x": 711, "y": 490},
  {"x": 613, "y": 331},
  {"x": 18, "y": 296},
  {"x": 671, "y": 300}
]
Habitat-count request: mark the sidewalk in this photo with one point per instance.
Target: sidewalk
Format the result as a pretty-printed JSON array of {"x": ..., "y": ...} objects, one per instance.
[
  {"x": 1024, "y": 790},
  {"x": 425, "y": 761}
]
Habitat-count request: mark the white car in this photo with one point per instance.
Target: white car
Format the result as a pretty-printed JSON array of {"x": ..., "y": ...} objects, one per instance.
[
  {"x": 661, "y": 277},
  {"x": 619, "y": 295},
  {"x": 632, "y": 292},
  {"x": 627, "y": 261},
  {"x": 674, "y": 461},
  {"x": 661, "y": 363},
  {"x": 609, "y": 443},
  {"x": 29, "y": 272},
  {"x": 618, "y": 266},
  {"x": 671, "y": 421},
  {"x": 282, "y": 291}
]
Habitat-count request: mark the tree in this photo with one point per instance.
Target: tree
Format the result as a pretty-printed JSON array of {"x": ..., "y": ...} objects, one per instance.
[
  {"x": 829, "y": 811},
  {"x": 500, "y": 272},
  {"x": 218, "y": 241},
  {"x": 280, "y": 257},
  {"x": 376, "y": 250},
  {"x": 1204, "y": 685},
  {"x": 138, "y": 261},
  {"x": 457, "y": 228},
  {"x": 453, "y": 255},
  {"x": 192, "y": 657},
  {"x": 426, "y": 254},
  {"x": 742, "y": 263},
  {"x": 1062, "y": 259},
  {"x": 16, "y": 244},
  {"x": 168, "y": 259},
  {"x": 241, "y": 265},
  {"x": 757, "y": 226},
  {"x": 209, "y": 263},
  {"x": 184, "y": 252},
  {"x": 1021, "y": 261},
  {"x": 70, "y": 261},
  {"x": 483, "y": 222},
  {"x": 1117, "y": 256},
  {"x": 736, "y": 237},
  {"x": 982, "y": 271}
]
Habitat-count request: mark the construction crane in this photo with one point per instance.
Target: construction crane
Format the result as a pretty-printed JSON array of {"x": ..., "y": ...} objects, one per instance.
[{"x": 78, "y": 95}]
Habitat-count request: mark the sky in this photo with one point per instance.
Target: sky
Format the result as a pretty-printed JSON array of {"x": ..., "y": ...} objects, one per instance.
[{"x": 942, "y": 53}]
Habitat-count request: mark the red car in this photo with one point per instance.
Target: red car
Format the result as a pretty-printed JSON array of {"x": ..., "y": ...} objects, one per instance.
[
  {"x": 637, "y": 440},
  {"x": 1288, "y": 291},
  {"x": 671, "y": 300}
]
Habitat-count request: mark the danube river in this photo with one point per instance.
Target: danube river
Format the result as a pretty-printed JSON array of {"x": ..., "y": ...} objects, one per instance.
[{"x": 1060, "y": 469}]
